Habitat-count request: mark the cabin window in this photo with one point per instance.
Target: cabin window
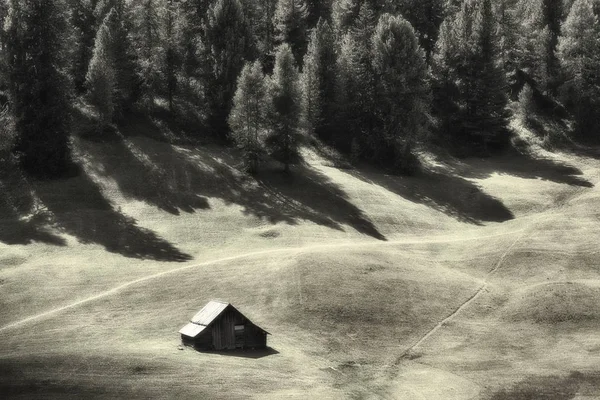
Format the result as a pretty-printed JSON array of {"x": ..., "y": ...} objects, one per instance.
[{"x": 239, "y": 328}]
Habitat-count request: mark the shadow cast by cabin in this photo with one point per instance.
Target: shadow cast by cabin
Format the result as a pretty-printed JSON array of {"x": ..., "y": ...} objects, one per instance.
[{"x": 242, "y": 353}]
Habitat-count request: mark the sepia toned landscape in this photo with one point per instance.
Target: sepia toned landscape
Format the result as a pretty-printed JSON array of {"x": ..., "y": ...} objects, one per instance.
[{"x": 399, "y": 197}]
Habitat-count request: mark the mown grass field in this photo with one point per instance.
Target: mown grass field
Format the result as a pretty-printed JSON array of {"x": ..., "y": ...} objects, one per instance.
[{"x": 476, "y": 279}]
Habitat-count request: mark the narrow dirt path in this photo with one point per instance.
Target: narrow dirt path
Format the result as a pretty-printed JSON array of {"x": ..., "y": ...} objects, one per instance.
[
  {"x": 466, "y": 304},
  {"x": 352, "y": 244}
]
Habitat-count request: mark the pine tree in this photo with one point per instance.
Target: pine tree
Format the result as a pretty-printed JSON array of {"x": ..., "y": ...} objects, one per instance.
[
  {"x": 403, "y": 90},
  {"x": 39, "y": 85},
  {"x": 82, "y": 20},
  {"x": 285, "y": 96},
  {"x": 343, "y": 15},
  {"x": 579, "y": 54},
  {"x": 291, "y": 26},
  {"x": 170, "y": 62},
  {"x": 356, "y": 115},
  {"x": 425, "y": 16},
  {"x": 318, "y": 80},
  {"x": 469, "y": 83},
  {"x": 148, "y": 50},
  {"x": 227, "y": 46},
  {"x": 540, "y": 26},
  {"x": 101, "y": 76},
  {"x": 248, "y": 118}
]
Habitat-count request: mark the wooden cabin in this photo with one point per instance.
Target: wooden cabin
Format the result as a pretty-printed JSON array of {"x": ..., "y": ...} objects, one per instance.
[{"x": 220, "y": 326}]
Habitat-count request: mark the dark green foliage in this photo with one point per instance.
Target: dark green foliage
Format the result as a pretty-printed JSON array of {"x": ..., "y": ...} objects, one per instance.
[
  {"x": 285, "y": 99},
  {"x": 579, "y": 53},
  {"x": 291, "y": 26},
  {"x": 39, "y": 86},
  {"x": 469, "y": 83},
  {"x": 227, "y": 46},
  {"x": 248, "y": 119}
]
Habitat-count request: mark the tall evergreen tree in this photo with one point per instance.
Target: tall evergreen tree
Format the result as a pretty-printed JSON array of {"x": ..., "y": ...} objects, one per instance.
[
  {"x": 540, "y": 24},
  {"x": 39, "y": 84},
  {"x": 248, "y": 118},
  {"x": 285, "y": 96},
  {"x": 83, "y": 22},
  {"x": 318, "y": 80},
  {"x": 579, "y": 53},
  {"x": 343, "y": 15},
  {"x": 101, "y": 75},
  {"x": 403, "y": 90},
  {"x": 470, "y": 85},
  {"x": 291, "y": 26},
  {"x": 356, "y": 118},
  {"x": 227, "y": 46},
  {"x": 425, "y": 16},
  {"x": 147, "y": 28},
  {"x": 170, "y": 62}
]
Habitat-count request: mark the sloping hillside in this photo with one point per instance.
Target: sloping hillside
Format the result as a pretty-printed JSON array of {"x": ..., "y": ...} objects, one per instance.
[{"x": 474, "y": 279}]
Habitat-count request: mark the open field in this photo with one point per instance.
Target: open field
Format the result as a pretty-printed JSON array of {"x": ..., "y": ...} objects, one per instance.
[{"x": 476, "y": 279}]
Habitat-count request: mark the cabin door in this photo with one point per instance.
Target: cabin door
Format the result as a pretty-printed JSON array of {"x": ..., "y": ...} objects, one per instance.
[{"x": 240, "y": 334}]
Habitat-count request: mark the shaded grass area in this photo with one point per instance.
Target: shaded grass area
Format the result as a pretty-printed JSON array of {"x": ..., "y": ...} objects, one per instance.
[
  {"x": 80, "y": 209},
  {"x": 526, "y": 166},
  {"x": 553, "y": 387},
  {"x": 181, "y": 178},
  {"x": 452, "y": 195}
]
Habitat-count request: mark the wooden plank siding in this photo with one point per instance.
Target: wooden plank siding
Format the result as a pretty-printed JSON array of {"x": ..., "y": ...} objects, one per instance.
[{"x": 221, "y": 334}]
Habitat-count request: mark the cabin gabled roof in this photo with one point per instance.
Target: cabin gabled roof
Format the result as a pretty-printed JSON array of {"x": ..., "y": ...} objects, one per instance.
[
  {"x": 209, "y": 312},
  {"x": 206, "y": 316}
]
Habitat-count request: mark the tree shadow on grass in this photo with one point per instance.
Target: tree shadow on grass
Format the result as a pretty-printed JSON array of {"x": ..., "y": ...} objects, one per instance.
[
  {"x": 14, "y": 230},
  {"x": 80, "y": 209},
  {"x": 181, "y": 178},
  {"x": 18, "y": 225},
  {"x": 449, "y": 194},
  {"x": 526, "y": 166}
]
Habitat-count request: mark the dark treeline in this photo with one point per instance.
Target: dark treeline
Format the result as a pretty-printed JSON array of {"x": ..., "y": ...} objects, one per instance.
[{"x": 370, "y": 77}]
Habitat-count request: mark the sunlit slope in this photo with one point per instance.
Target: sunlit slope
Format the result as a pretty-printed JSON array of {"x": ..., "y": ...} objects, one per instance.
[{"x": 347, "y": 268}]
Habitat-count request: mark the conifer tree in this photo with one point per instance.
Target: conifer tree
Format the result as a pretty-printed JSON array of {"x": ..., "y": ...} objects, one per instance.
[
  {"x": 170, "y": 62},
  {"x": 39, "y": 85},
  {"x": 101, "y": 76},
  {"x": 291, "y": 26},
  {"x": 403, "y": 90},
  {"x": 469, "y": 83},
  {"x": 82, "y": 20},
  {"x": 227, "y": 46},
  {"x": 149, "y": 55},
  {"x": 248, "y": 118},
  {"x": 343, "y": 15},
  {"x": 285, "y": 96},
  {"x": 579, "y": 54},
  {"x": 356, "y": 116},
  {"x": 318, "y": 80}
]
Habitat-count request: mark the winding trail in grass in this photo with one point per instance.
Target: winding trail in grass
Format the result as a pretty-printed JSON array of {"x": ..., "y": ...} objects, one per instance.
[
  {"x": 126, "y": 285},
  {"x": 470, "y": 300}
]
